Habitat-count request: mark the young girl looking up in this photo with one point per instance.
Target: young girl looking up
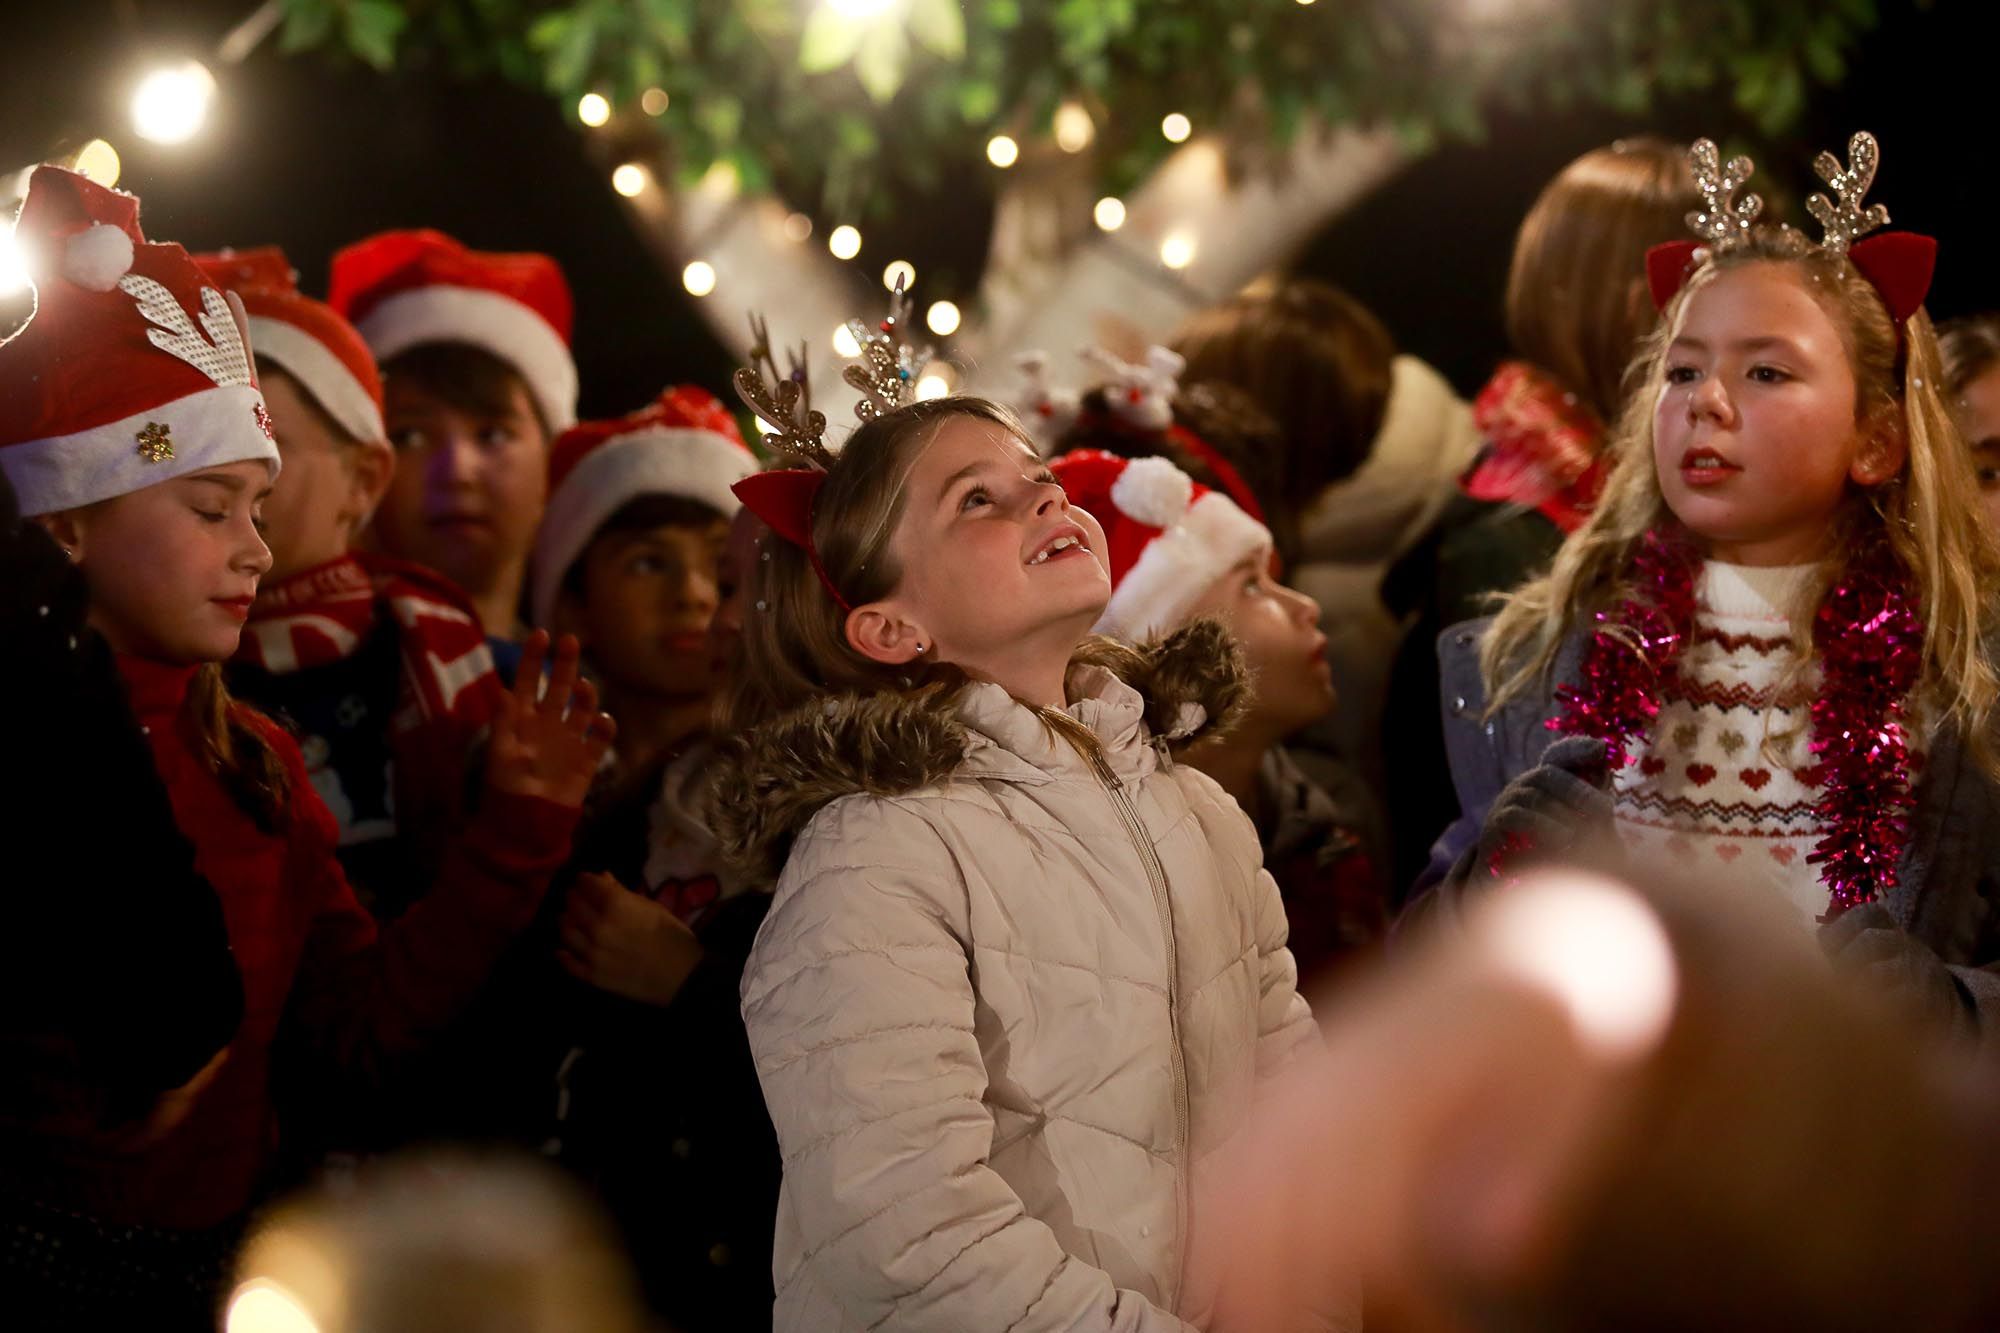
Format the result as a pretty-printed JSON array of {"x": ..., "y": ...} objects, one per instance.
[
  {"x": 133, "y": 430},
  {"x": 1022, "y": 969},
  {"x": 1765, "y": 650}
]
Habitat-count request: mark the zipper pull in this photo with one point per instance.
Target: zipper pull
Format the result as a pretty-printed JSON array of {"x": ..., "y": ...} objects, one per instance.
[{"x": 1161, "y": 747}]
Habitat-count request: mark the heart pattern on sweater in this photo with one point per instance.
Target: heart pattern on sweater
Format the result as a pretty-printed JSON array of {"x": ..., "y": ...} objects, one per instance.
[
  {"x": 1652, "y": 766},
  {"x": 1728, "y": 851},
  {"x": 1755, "y": 778},
  {"x": 1732, "y": 741},
  {"x": 1686, "y": 734},
  {"x": 1701, "y": 774},
  {"x": 1784, "y": 853}
]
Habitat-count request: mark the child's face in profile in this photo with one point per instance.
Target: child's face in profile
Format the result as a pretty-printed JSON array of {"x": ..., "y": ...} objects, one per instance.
[
  {"x": 740, "y": 554},
  {"x": 643, "y": 615},
  {"x": 996, "y": 565},
  {"x": 1755, "y": 440},
  {"x": 328, "y": 485},
  {"x": 469, "y": 489},
  {"x": 1292, "y": 685},
  {"x": 1978, "y": 411},
  {"x": 173, "y": 568}
]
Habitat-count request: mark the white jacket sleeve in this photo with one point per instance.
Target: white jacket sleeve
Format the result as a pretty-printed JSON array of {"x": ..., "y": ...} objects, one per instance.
[
  {"x": 1285, "y": 1023},
  {"x": 860, "y": 1008}
]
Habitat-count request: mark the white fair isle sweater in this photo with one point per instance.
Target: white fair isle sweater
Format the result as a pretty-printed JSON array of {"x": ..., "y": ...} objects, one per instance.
[{"x": 1726, "y": 779}]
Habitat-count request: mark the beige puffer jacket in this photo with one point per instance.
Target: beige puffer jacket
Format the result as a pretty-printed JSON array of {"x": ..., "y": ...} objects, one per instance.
[{"x": 1007, "y": 1000}]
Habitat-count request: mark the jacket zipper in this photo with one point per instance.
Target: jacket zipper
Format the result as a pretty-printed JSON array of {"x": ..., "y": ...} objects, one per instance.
[{"x": 1156, "y": 874}]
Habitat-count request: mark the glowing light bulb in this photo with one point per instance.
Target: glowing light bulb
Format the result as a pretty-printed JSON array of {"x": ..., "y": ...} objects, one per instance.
[
  {"x": 13, "y": 264},
  {"x": 629, "y": 180},
  {"x": 1177, "y": 250},
  {"x": 1109, "y": 213},
  {"x": 943, "y": 318},
  {"x": 845, "y": 242},
  {"x": 99, "y": 161},
  {"x": 699, "y": 278},
  {"x": 593, "y": 109},
  {"x": 1002, "y": 151},
  {"x": 845, "y": 343},
  {"x": 262, "y": 1306},
  {"x": 654, "y": 101},
  {"x": 933, "y": 386},
  {"x": 798, "y": 227},
  {"x": 171, "y": 104},
  {"x": 1176, "y": 127},
  {"x": 901, "y": 270},
  {"x": 1074, "y": 128}
]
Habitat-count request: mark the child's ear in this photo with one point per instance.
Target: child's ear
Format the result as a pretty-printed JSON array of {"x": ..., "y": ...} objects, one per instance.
[
  {"x": 1881, "y": 456},
  {"x": 65, "y": 528},
  {"x": 880, "y": 635},
  {"x": 371, "y": 466}
]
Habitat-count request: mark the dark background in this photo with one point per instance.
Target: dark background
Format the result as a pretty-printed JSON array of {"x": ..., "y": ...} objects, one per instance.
[{"x": 310, "y": 153}]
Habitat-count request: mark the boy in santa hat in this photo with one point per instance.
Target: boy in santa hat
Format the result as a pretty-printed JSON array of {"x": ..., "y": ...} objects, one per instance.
[
  {"x": 641, "y": 556},
  {"x": 379, "y": 666},
  {"x": 1178, "y": 551},
  {"x": 133, "y": 432},
  {"x": 478, "y": 378}
]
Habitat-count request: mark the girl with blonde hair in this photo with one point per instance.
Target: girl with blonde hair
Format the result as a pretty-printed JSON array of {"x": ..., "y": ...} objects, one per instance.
[{"x": 1766, "y": 650}]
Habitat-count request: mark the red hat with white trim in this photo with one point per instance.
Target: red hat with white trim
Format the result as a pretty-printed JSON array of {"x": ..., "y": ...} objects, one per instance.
[
  {"x": 684, "y": 443},
  {"x": 403, "y": 289},
  {"x": 1168, "y": 538},
  {"x": 303, "y": 337},
  {"x": 134, "y": 368}
]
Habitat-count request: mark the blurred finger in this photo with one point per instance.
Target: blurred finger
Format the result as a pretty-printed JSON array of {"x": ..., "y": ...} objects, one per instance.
[
  {"x": 528, "y": 675},
  {"x": 582, "y": 707},
  {"x": 562, "y": 678}
]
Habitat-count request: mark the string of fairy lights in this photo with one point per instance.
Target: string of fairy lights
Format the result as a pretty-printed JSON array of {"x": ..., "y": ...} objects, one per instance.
[{"x": 1071, "y": 128}]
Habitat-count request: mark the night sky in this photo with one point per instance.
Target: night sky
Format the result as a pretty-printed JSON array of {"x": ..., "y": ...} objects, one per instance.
[{"x": 309, "y": 154}]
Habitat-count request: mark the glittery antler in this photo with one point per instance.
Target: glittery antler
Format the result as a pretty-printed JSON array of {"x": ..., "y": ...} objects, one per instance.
[
  {"x": 782, "y": 401},
  {"x": 887, "y": 369},
  {"x": 1843, "y": 216},
  {"x": 1722, "y": 220}
]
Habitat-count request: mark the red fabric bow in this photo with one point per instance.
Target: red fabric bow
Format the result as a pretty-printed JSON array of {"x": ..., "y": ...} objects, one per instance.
[{"x": 784, "y": 500}]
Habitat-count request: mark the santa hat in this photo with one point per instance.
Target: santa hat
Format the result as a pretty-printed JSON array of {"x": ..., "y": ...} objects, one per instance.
[
  {"x": 403, "y": 289},
  {"x": 304, "y": 337},
  {"x": 1168, "y": 539},
  {"x": 134, "y": 369},
  {"x": 685, "y": 443}
]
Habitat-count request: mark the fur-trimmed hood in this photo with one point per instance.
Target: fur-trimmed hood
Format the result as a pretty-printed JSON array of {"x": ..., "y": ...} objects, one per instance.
[{"x": 768, "y": 783}]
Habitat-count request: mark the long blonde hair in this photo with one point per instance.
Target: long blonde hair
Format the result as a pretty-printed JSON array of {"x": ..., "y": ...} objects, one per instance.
[{"x": 1928, "y": 512}]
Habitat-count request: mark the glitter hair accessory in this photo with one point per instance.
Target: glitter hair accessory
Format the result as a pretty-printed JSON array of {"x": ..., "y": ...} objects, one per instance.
[
  {"x": 887, "y": 370},
  {"x": 886, "y": 376},
  {"x": 1898, "y": 264}
]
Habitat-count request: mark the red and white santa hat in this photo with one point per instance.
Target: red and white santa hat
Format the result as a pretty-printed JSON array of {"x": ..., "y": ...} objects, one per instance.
[
  {"x": 1168, "y": 538},
  {"x": 315, "y": 346},
  {"x": 403, "y": 289},
  {"x": 134, "y": 368},
  {"x": 684, "y": 443}
]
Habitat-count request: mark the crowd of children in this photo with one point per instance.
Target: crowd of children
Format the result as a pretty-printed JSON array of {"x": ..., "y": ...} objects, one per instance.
[{"x": 882, "y": 872}]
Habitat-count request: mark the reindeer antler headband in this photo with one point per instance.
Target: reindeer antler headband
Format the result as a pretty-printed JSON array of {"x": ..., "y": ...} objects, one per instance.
[
  {"x": 1898, "y": 264},
  {"x": 886, "y": 375}
]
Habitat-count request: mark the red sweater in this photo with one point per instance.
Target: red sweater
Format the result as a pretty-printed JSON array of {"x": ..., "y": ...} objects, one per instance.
[{"x": 345, "y": 1000}]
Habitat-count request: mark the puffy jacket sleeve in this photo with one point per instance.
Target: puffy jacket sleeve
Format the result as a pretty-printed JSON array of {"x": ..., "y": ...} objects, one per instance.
[
  {"x": 1285, "y": 1024},
  {"x": 860, "y": 1005}
]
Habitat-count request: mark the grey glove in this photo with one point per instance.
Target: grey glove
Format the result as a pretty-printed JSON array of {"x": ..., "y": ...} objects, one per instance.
[
  {"x": 1548, "y": 811},
  {"x": 1867, "y": 941}
]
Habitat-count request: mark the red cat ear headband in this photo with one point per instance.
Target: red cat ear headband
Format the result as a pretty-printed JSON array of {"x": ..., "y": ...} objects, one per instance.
[{"x": 1898, "y": 264}]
